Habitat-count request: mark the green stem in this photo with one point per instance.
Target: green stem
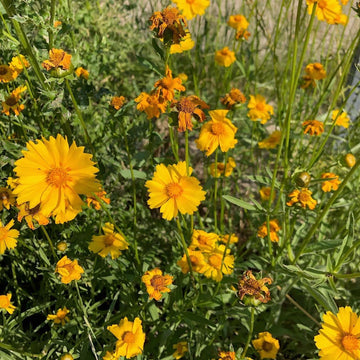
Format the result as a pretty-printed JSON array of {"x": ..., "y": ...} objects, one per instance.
[
  {"x": 183, "y": 243},
  {"x": 215, "y": 190},
  {"x": 52, "y": 18},
  {"x": 252, "y": 318},
  {"x": 49, "y": 241}
]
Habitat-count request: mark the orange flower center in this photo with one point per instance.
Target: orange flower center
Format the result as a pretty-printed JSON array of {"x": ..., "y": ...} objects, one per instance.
[
  {"x": 267, "y": 346},
  {"x": 109, "y": 239},
  {"x": 190, "y": 1},
  {"x": 218, "y": 129},
  {"x": 194, "y": 260},
  {"x": 304, "y": 197},
  {"x": 57, "y": 177},
  {"x": 61, "y": 314},
  {"x": 129, "y": 337},
  {"x": 157, "y": 282},
  {"x": 3, "y": 233},
  {"x": 173, "y": 190},
  {"x": 322, "y": 4},
  {"x": 3, "y": 70},
  {"x": 202, "y": 240},
  {"x": 350, "y": 342},
  {"x": 215, "y": 261},
  {"x": 260, "y": 106},
  {"x": 185, "y": 105},
  {"x": 11, "y": 101}
]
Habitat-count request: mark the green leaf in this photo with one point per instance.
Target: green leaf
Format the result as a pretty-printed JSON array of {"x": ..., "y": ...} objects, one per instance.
[
  {"x": 239, "y": 202},
  {"x": 154, "y": 311},
  {"x": 322, "y": 297},
  {"x": 126, "y": 173},
  {"x": 191, "y": 318}
]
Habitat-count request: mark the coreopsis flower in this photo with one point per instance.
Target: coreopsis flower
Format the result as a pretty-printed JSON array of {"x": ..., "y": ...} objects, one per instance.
[
  {"x": 266, "y": 345},
  {"x": 215, "y": 259},
  {"x": 326, "y": 10},
  {"x": 192, "y": 8},
  {"x": 180, "y": 349},
  {"x": 31, "y": 214},
  {"x": 223, "y": 169},
  {"x": 238, "y": 22},
  {"x": 189, "y": 107},
  {"x": 313, "y": 127},
  {"x": 54, "y": 174},
  {"x": 94, "y": 201},
  {"x": 254, "y": 290},
  {"x": 166, "y": 86},
  {"x": 156, "y": 283},
  {"x": 229, "y": 238},
  {"x": 117, "y": 102},
  {"x": 201, "y": 240},
  {"x": 341, "y": 120},
  {"x": 7, "y": 73},
  {"x": 340, "y": 19},
  {"x": 272, "y": 141},
  {"x": 274, "y": 229},
  {"x": 130, "y": 337},
  {"x": 339, "y": 336},
  {"x": 151, "y": 104},
  {"x": 259, "y": 109},
  {"x": 197, "y": 261},
  {"x": 350, "y": 160},
  {"x": 111, "y": 243},
  {"x": 332, "y": 184},
  {"x": 219, "y": 131},
  {"x": 81, "y": 72},
  {"x": 18, "y": 63},
  {"x": 68, "y": 269},
  {"x": 316, "y": 71},
  {"x": 7, "y": 198},
  {"x": 168, "y": 24},
  {"x": 8, "y": 236},
  {"x": 265, "y": 193},
  {"x": 225, "y": 57},
  {"x": 12, "y": 102},
  {"x": 173, "y": 190},
  {"x": 58, "y": 58},
  {"x": 6, "y": 304},
  {"x": 227, "y": 355},
  {"x": 302, "y": 196},
  {"x": 60, "y": 317},
  {"x": 110, "y": 356},
  {"x": 186, "y": 43},
  {"x": 235, "y": 96}
]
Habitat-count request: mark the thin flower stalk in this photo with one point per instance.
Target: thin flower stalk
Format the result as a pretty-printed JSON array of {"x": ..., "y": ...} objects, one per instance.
[
  {"x": 183, "y": 243},
  {"x": 251, "y": 329},
  {"x": 49, "y": 241}
]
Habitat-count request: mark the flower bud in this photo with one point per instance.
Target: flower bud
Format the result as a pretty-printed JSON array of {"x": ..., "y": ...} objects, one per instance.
[
  {"x": 67, "y": 357},
  {"x": 61, "y": 246},
  {"x": 350, "y": 160},
  {"x": 303, "y": 179}
]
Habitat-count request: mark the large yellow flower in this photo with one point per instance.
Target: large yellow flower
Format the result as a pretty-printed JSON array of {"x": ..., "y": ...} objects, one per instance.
[
  {"x": 156, "y": 283},
  {"x": 191, "y": 8},
  {"x": 69, "y": 270},
  {"x": 326, "y": 10},
  {"x": 225, "y": 57},
  {"x": 130, "y": 336},
  {"x": 53, "y": 174},
  {"x": 259, "y": 109},
  {"x": 238, "y": 22},
  {"x": 339, "y": 337},
  {"x": 219, "y": 263},
  {"x": 219, "y": 131},
  {"x": 172, "y": 190}
]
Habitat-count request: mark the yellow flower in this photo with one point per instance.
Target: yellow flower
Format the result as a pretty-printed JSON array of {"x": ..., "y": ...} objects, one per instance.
[
  {"x": 340, "y": 19},
  {"x": 326, "y": 10},
  {"x": 92, "y": 200},
  {"x": 313, "y": 127},
  {"x": 31, "y": 215},
  {"x": 151, "y": 104},
  {"x": 186, "y": 43},
  {"x": 130, "y": 336},
  {"x": 302, "y": 196},
  {"x": 69, "y": 270},
  {"x": 110, "y": 356},
  {"x": 166, "y": 86},
  {"x": 341, "y": 120},
  {"x": 7, "y": 73},
  {"x": 60, "y": 317},
  {"x": 315, "y": 71},
  {"x": 80, "y": 71},
  {"x": 259, "y": 109},
  {"x": 183, "y": 77},
  {"x": 265, "y": 193},
  {"x": 203, "y": 241},
  {"x": 180, "y": 349},
  {"x": 225, "y": 57},
  {"x": 172, "y": 190},
  {"x": 188, "y": 107},
  {"x": 111, "y": 243},
  {"x": 223, "y": 169},
  {"x": 8, "y": 237},
  {"x": 61, "y": 246},
  {"x": 235, "y": 96},
  {"x": 227, "y": 355},
  {"x": 53, "y": 174},
  {"x": 117, "y": 102},
  {"x": 214, "y": 259},
  {"x": 7, "y": 198},
  {"x": 272, "y": 141},
  {"x": 266, "y": 346},
  {"x": 339, "y": 336},
  {"x": 191, "y": 8},
  {"x": 231, "y": 238},
  {"x": 12, "y": 102},
  {"x": 168, "y": 23},
  {"x": 6, "y": 304},
  {"x": 350, "y": 160},
  {"x": 330, "y": 185},
  {"x": 18, "y": 63},
  {"x": 67, "y": 357},
  {"x": 219, "y": 131},
  {"x": 58, "y": 58},
  {"x": 197, "y": 261},
  {"x": 254, "y": 290},
  {"x": 274, "y": 228},
  {"x": 156, "y": 283},
  {"x": 238, "y": 22}
]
